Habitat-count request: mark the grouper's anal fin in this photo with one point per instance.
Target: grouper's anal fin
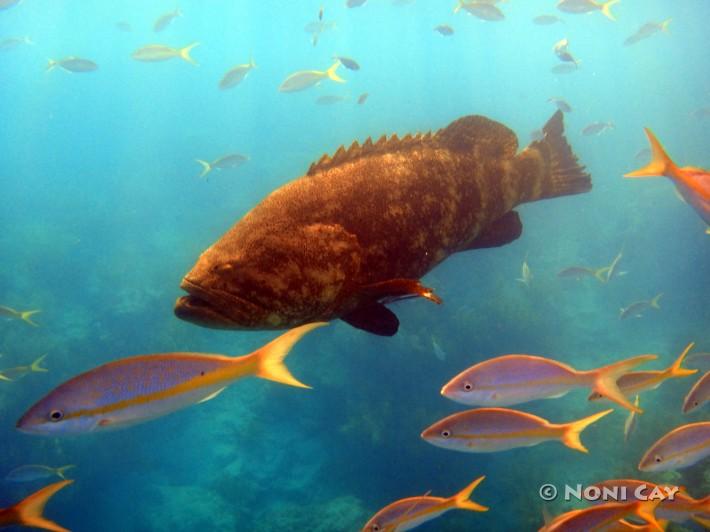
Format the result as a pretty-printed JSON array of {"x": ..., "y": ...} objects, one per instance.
[
  {"x": 504, "y": 230},
  {"x": 374, "y": 318}
]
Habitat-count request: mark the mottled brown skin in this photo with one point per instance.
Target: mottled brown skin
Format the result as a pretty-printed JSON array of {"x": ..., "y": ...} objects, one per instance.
[{"x": 393, "y": 210}]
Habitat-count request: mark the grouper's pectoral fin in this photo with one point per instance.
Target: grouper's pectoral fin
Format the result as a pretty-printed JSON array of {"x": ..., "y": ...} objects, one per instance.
[
  {"x": 374, "y": 318},
  {"x": 503, "y": 231}
]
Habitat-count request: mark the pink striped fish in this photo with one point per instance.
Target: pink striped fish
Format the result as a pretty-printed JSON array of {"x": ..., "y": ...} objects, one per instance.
[
  {"x": 681, "y": 447},
  {"x": 698, "y": 395},
  {"x": 411, "y": 512},
  {"x": 513, "y": 379},
  {"x": 136, "y": 389}
]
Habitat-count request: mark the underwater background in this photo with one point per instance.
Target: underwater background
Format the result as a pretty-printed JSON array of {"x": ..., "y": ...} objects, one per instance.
[{"x": 102, "y": 213}]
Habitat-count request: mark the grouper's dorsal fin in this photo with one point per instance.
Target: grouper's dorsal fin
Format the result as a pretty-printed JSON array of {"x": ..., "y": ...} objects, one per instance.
[
  {"x": 367, "y": 148},
  {"x": 481, "y": 135}
]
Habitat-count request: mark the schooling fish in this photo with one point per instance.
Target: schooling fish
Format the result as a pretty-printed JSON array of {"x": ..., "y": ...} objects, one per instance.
[
  {"x": 513, "y": 379},
  {"x": 635, "y": 382},
  {"x": 73, "y": 64},
  {"x": 28, "y": 473},
  {"x": 698, "y": 395},
  {"x": 679, "y": 508},
  {"x": 362, "y": 227},
  {"x": 561, "y": 104},
  {"x": 28, "y": 512},
  {"x": 638, "y": 307},
  {"x": 489, "y": 430},
  {"x": 165, "y": 20},
  {"x": 5, "y": 4},
  {"x": 362, "y": 98},
  {"x": 546, "y": 20},
  {"x": 347, "y": 62},
  {"x": 483, "y": 10},
  {"x": 604, "y": 517},
  {"x": 140, "y": 388},
  {"x": 409, "y": 513},
  {"x": 647, "y": 30},
  {"x": 13, "y": 42},
  {"x": 561, "y": 50},
  {"x": 577, "y": 272},
  {"x": 24, "y": 315},
  {"x": 153, "y": 53},
  {"x": 631, "y": 421},
  {"x": 525, "y": 273},
  {"x": 305, "y": 79},
  {"x": 233, "y": 160},
  {"x": 587, "y": 6},
  {"x": 13, "y": 374},
  {"x": 236, "y": 75},
  {"x": 444, "y": 29},
  {"x": 682, "y": 447},
  {"x": 597, "y": 128},
  {"x": 692, "y": 183}
]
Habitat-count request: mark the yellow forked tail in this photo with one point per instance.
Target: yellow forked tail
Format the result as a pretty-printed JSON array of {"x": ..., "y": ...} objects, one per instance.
[
  {"x": 606, "y": 8},
  {"x": 61, "y": 470},
  {"x": 605, "y": 380},
  {"x": 51, "y": 64},
  {"x": 654, "y": 302},
  {"x": 185, "y": 53},
  {"x": 461, "y": 499},
  {"x": 270, "y": 357},
  {"x": 206, "y": 167},
  {"x": 28, "y": 512},
  {"x": 675, "y": 370},
  {"x": 660, "y": 165},
  {"x": 35, "y": 366},
  {"x": 646, "y": 511},
  {"x": 25, "y": 316},
  {"x": 332, "y": 75},
  {"x": 573, "y": 430}
]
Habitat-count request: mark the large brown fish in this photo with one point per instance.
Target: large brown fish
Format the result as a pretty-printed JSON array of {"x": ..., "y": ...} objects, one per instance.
[{"x": 363, "y": 226}]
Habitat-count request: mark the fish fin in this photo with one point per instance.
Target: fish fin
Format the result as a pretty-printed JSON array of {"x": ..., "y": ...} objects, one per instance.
[
  {"x": 654, "y": 302},
  {"x": 35, "y": 366},
  {"x": 185, "y": 53},
  {"x": 490, "y": 139},
  {"x": 572, "y": 431},
  {"x": 331, "y": 73},
  {"x": 646, "y": 511},
  {"x": 211, "y": 396},
  {"x": 61, "y": 470},
  {"x": 28, "y": 512},
  {"x": 51, "y": 64},
  {"x": 395, "y": 289},
  {"x": 661, "y": 164},
  {"x": 504, "y": 230},
  {"x": 675, "y": 370},
  {"x": 458, "y": 6},
  {"x": 605, "y": 380},
  {"x": 270, "y": 358},
  {"x": 701, "y": 520},
  {"x": 665, "y": 23},
  {"x": 4, "y": 378},
  {"x": 549, "y": 168},
  {"x": 206, "y": 167},
  {"x": 374, "y": 318},
  {"x": 600, "y": 274},
  {"x": 606, "y": 9},
  {"x": 25, "y": 316},
  {"x": 461, "y": 499}
]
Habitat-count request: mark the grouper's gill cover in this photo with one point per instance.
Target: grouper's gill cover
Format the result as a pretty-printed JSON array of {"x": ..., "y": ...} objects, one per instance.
[{"x": 363, "y": 226}]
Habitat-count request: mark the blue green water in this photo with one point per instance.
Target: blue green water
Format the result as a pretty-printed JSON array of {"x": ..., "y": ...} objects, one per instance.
[{"x": 102, "y": 213}]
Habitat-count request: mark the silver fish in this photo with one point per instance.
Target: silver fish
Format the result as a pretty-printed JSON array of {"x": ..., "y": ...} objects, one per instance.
[
  {"x": 597, "y": 128},
  {"x": 561, "y": 104},
  {"x": 236, "y": 75},
  {"x": 165, "y": 20},
  {"x": 698, "y": 395},
  {"x": 73, "y": 64},
  {"x": 682, "y": 447}
]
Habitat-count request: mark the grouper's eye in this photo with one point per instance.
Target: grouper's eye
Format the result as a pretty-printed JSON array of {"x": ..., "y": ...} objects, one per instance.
[
  {"x": 56, "y": 415},
  {"x": 221, "y": 268}
]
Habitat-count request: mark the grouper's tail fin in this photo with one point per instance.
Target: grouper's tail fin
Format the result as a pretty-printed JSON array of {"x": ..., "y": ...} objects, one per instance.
[{"x": 561, "y": 173}]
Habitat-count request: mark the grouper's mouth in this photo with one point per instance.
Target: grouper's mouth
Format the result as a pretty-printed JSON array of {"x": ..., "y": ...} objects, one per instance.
[{"x": 215, "y": 308}]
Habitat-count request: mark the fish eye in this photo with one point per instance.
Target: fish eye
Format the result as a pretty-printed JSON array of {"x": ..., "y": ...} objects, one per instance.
[
  {"x": 225, "y": 267},
  {"x": 445, "y": 433},
  {"x": 468, "y": 386},
  {"x": 56, "y": 415},
  {"x": 376, "y": 527},
  {"x": 658, "y": 459}
]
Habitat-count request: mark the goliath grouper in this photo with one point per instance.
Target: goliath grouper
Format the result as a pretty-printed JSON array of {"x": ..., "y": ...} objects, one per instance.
[{"x": 363, "y": 226}]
